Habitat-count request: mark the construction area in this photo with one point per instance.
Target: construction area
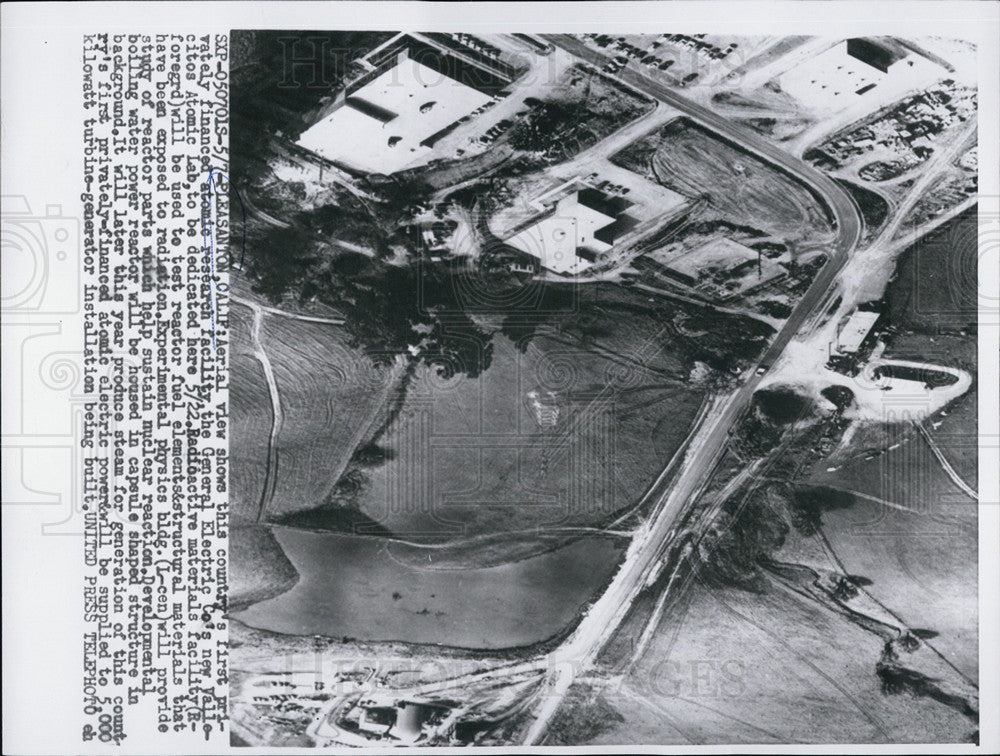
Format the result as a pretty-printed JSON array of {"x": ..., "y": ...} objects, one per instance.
[
  {"x": 899, "y": 138},
  {"x": 721, "y": 268}
]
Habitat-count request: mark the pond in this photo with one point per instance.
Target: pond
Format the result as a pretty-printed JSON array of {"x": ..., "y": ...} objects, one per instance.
[{"x": 374, "y": 590}]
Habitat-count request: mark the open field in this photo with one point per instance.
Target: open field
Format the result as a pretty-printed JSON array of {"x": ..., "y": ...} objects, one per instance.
[
  {"x": 955, "y": 429},
  {"x": 565, "y": 427},
  {"x": 737, "y": 186},
  {"x": 925, "y": 570},
  {"x": 476, "y": 456},
  {"x": 250, "y": 418},
  {"x": 935, "y": 287},
  {"x": 259, "y": 569},
  {"x": 331, "y": 394},
  {"x": 907, "y": 477},
  {"x": 561, "y": 425},
  {"x": 730, "y": 666},
  {"x": 767, "y": 110},
  {"x": 785, "y": 657}
]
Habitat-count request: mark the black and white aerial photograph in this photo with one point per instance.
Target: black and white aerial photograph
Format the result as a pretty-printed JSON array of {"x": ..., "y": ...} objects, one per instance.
[{"x": 602, "y": 389}]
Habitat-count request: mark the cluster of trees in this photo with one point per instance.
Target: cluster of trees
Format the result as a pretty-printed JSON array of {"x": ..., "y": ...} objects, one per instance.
[
  {"x": 743, "y": 535},
  {"x": 547, "y": 123},
  {"x": 387, "y": 308}
]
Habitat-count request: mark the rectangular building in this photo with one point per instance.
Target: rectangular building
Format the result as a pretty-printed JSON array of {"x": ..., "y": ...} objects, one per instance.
[
  {"x": 855, "y": 331},
  {"x": 871, "y": 52},
  {"x": 383, "y": 126}
]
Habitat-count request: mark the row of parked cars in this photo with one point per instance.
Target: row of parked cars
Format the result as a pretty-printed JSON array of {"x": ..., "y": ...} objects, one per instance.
[{"x": 648, "y": 57}]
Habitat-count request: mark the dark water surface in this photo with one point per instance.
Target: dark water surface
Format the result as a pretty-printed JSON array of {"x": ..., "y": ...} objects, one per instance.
[{"x": 372, "y": 590}]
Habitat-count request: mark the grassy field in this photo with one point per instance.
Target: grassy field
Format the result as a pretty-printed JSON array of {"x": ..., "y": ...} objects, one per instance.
[
  {"x": 933, "y": 301},
  {"x": 473, "y": 456},
  {"x": 936, "y": 285},
  {"x": 258, "y": 569},
  {"x": 564, "y": 426},
  {"x": 926, "y": 570},
  {"x": 250, "y": 418},
  {"x": 955, "y": 429},
  {"x": 730, "y": 666},
  {"x": 330, "y": 394},
  {"x": 778, "y": 661},
  {"x": 470, "y": 458}
]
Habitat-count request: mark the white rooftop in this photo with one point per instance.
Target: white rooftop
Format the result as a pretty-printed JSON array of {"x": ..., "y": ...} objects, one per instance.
[
  {"x": 831, "y": 81},
  {"x": 555, "y": 239},
  {"x": 855, "y": 330},
  {"x": 420, "y": 102}
]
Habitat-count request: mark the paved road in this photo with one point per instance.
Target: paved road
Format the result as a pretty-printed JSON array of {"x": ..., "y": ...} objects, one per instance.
[
  {"x": 642, "y": 559},
  {"x": 845, "y": 213}
]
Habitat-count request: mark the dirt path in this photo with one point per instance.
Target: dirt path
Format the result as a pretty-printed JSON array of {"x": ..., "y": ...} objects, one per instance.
[
  {"x": 366, "y": 427},
  {"x": 285, "y": 314},
  {"x": 774, "y": 323},
  {"x": 945, "y": 464},
  {"x": 271, "y": 468}
]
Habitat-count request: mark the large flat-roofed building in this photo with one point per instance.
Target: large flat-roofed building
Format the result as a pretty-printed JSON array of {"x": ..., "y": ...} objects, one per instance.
[
  {"x": 878, "y": 55},
  {"x": 859, "y": 70},
  {"x": 573, "y": 230},
  {"x": 854, "y": 332},
  {"x": 380, "y": 127}
]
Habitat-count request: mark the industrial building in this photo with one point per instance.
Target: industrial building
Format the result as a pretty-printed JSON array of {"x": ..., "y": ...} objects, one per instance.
[
  {"x": 410, "y": 93},
  {"x": 401, "y": 720},
  {"x": 724, "y": 268},
  {"x": 878, "y": 55},
  {"x": 855, "y": 331},
  {"x": 575, "y": 224},
  {"x": 713, "y": 256},
  {"x": 872, "y": 70}
]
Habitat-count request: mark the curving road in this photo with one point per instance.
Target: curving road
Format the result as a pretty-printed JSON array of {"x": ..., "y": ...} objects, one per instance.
[{"x": 643, "y": 557}]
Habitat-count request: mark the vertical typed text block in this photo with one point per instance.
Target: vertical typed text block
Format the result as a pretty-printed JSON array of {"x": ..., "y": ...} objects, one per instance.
[{"x": 155, "y": 141}]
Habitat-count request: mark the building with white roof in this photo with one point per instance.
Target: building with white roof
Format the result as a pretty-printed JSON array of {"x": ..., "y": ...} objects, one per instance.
[
  {"x": 572, "y": 230},
  {"x": 381, "y": 127},
  {"x": 855, "y": 331}
]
